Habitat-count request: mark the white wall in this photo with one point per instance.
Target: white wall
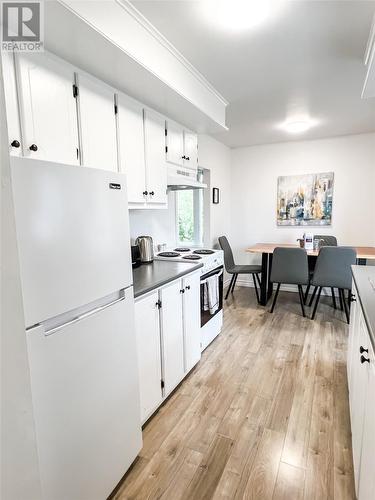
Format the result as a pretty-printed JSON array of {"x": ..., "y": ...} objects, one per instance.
[
  {"x": 254, "y": 186},
  {"x": 216, "y": 157},
  {"x": 161, "y": 224}
]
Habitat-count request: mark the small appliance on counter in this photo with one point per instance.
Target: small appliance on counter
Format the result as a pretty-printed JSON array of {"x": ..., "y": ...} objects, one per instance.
[
  {"x": 136, "y": 256},
  {"x": 146, "y": 249}
]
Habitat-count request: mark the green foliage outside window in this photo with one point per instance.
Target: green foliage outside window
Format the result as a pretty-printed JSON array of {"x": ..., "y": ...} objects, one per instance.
[{"x": 185, "y": 214}]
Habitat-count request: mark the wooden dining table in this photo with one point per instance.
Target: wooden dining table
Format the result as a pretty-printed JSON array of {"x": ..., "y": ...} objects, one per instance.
[{"x": 266, "y": 249}]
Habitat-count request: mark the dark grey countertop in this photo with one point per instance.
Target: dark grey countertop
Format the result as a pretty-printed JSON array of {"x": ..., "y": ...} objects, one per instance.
[
  {"x": 364, "y": 278},
  {"x": 147, "y": 277}
]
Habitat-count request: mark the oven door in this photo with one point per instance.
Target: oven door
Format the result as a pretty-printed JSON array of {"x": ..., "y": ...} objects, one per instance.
[{"x": 206, "y": 315}]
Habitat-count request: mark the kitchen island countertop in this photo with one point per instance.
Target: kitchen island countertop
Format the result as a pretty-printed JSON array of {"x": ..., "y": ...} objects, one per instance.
[
  {"x": 148, "y": 277},
  {"x": 364, "y": 278}
]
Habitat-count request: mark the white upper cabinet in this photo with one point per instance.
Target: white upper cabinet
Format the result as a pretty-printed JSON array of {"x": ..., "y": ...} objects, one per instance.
[
  {"x": 156, "y": 169},
  {"x": 97, "y": 122},
  {"x": 174, "y": 143},
  {"x": 181, "y": 146},
  {"x": 58, "y": 113},
  {"x": 10, "y": 89},
  {"x": 47, "y": 108},
  {"x": 132, "y": 147},
  {"x": 190, "y": 150}
]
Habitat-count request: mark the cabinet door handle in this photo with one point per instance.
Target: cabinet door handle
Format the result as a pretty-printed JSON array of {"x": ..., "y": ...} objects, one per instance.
[
  {"x": 187, "y": 287},
  {"x": 33, "y": 147},
  {"x": 352, "y": 298},
  {"x": 15, "y": 144},
  {"x": 183, "y": 157},
  {"x": 364, "y": 360},
  {"x": 182, "y": 291},
  {"x": 145, "y": 193},
  {"x": 362, "y": 350},
  {"x": 187, "y": 158},
  {"x": 151, "y": 193}
]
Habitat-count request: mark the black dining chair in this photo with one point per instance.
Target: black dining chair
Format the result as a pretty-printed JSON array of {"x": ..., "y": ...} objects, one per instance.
[
  {"x": 236, "y": 269},
  {"x": 325, "y": 240},
  {"x": 333, "y": 270},
  {"x": 289, "y": 266}
]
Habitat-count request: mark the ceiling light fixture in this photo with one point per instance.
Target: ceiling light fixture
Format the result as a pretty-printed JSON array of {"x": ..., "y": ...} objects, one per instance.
[
  {"x": 237, "y": 15},
  {"x": 297, "y": 126}
]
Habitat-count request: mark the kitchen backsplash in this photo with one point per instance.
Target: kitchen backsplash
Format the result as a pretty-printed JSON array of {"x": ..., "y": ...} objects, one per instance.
[{"x": 160, "y": 224}]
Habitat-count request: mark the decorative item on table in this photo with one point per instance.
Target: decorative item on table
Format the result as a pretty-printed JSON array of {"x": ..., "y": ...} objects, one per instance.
[
  {"x": 309, "y": 241},
  {"x": 318, "y": 243},
  {"x": 305, "y": 200},
  {"x": 215, "y": 196},
  {"x": 301, "y": 242}
]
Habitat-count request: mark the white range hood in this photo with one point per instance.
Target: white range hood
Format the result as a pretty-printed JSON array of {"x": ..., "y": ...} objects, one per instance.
[{"x": 180, "y": 178}]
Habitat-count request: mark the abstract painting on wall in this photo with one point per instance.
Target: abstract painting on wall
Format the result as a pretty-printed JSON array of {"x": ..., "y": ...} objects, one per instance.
[{"x": 305, "y": 200}]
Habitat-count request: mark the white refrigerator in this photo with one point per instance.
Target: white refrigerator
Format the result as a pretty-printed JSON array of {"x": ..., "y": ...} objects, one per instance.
[{"x": 74, "y": 253}]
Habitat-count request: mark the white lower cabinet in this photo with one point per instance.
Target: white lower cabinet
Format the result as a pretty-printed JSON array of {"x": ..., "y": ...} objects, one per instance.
[
  {"x": 366, "y": 486},
  {"x": 148, "y": 348},
  {"x": 192, "y": 319},
  {"x": 361, "y": 383},
  {"x": 172, "y": 335},
  {"x": 168, "y": 342}
]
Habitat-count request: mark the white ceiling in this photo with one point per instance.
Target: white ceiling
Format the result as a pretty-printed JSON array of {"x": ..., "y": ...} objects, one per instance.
[{"x": 307, "y": 57}]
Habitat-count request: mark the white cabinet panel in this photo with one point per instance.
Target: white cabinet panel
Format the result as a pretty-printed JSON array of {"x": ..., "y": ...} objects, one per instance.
[
  {"x": 175, "y": 143},
  {"x": 172, "y": 335},
  {"x": 132, "y": 147},
  {"x": 190, "y": 150},
  {"x": 156, "y": 169},
  {"x": 191, "y": 312},
  {"x": 97, "y": 124},
  {"x": 47, "y": 108},
  {"x": 11, "y": 102},
  {"x": 148, "y": 348},
  {"x": 353, "y": 336},
  {"x": 367, "y": 476}
]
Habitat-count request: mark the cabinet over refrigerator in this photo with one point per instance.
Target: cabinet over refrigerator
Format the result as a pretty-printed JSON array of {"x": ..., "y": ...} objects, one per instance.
[{"x": 74, "y": 254}]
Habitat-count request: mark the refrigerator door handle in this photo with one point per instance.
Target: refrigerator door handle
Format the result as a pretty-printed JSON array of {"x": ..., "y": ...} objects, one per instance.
[{"x": 55, "y": 329}]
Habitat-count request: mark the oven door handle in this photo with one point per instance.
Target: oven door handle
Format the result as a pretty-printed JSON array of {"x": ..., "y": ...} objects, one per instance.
[{"x": 214, "y": 274}]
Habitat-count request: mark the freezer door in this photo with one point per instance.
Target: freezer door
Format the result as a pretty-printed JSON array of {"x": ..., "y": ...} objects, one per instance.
[
  {"x": 85, "y": 392},
  {"x": 73, "y": 235}
]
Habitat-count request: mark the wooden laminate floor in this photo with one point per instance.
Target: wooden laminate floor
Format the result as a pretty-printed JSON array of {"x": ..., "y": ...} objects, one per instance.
[{"x": 264, "y": 415}]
